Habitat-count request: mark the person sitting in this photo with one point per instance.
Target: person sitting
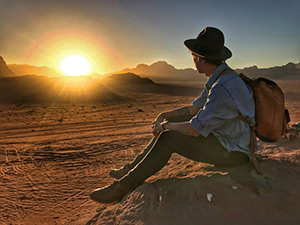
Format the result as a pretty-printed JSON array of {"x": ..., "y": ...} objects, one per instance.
[{"x": 205, "y": 131}]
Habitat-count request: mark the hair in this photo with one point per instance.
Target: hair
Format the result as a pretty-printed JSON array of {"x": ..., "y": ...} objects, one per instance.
[{"x": 216, "y": 62}]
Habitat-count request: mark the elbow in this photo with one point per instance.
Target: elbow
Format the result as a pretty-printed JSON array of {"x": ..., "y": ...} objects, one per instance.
[
  {"x": 196, "y": 134},
  {"x": 193, "y": 131}
]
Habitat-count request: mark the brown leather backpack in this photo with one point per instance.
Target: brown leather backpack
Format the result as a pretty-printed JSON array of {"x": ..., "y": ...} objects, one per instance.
[{"x": 270, "y": 115}]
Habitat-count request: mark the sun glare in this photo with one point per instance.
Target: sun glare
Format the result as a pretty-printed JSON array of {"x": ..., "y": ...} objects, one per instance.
[{"x": 75, "y": 65}]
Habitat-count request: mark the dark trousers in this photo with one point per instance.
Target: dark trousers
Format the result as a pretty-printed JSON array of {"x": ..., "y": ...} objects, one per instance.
[{"x": 201, "y": 149}]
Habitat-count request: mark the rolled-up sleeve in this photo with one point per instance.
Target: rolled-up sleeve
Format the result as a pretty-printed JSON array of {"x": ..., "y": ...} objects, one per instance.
[{"x": 217, "y": 109}]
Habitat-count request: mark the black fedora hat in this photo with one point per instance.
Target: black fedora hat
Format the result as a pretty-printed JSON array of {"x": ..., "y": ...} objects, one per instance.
[{"x": 209, "y": 44}]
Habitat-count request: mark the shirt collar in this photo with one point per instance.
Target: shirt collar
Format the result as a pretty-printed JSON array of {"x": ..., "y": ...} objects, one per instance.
[{"x": 215, "y": 74}]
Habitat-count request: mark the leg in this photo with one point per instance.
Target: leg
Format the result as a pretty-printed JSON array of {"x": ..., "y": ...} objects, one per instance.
[
  {"x": 142, "y": 154},
  {"x": 201, "y": 149},
  {"x": 119, "y": 173},
  {"x": 147, "y": 149}
]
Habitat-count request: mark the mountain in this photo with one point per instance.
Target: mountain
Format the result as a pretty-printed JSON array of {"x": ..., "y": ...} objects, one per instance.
[
  {"x": 4, "y": 69},
  {"x": 21, "y": 70},
  {"x": 162, "y": 72},
  {"x": 290, "y": 71}
]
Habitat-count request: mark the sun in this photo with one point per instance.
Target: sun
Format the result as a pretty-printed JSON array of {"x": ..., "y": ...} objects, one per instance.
[{"x": 75, "y": 65}]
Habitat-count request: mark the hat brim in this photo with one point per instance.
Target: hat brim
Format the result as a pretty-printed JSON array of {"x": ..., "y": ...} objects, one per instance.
[{"x": 191, "y": 44}]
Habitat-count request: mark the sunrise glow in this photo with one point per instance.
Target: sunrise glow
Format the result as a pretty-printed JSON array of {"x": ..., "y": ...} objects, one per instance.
[{"x": 75, "y": 65}]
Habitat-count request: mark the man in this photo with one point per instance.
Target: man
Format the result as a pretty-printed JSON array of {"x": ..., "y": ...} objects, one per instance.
[{"x": 211, "y": 132}]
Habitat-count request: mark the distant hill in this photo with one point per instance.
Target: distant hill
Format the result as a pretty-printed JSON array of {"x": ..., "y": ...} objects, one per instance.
[
  {"x": 162, "y": 72},
  {"x": 129, "y": 82},
  {"x": 4, "y": 69},
  {"x": 42, "y": 89},
  {"x": 125, "y": 78},
  {"x": 290, "y": 71},
  {"x": 21, "y": 70},
  {"x": 84, "y": 89}
]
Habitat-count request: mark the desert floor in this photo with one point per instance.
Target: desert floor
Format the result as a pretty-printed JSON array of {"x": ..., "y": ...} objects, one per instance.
[{"x": 53, "y": 156}]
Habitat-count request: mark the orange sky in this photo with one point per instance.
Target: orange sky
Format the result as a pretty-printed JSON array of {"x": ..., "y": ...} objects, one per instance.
[{"x": 55, "y": 46}]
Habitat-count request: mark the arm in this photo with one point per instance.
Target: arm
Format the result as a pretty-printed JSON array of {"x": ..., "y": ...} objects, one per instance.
[
  {"x": 189, "y": 110},
  {"x": 183, "y": 127},
  {"x": 220, "y": 108}
]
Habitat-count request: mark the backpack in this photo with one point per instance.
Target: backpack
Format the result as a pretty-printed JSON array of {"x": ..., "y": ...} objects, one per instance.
[{"x": 270, "y": 113}]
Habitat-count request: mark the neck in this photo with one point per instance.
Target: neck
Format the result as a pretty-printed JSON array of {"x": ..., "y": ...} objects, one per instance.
[{"x": 209, "y": 70}]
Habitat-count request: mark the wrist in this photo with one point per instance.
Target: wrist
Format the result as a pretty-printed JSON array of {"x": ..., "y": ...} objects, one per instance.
[
  {"x": 163, "y": 124},
  {"x": 160, "y": 118}
]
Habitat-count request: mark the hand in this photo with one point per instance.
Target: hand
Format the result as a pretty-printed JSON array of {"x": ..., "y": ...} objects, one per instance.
[
  {"x": 156, "y": 128},
  {"x": 159, "y": 118}
]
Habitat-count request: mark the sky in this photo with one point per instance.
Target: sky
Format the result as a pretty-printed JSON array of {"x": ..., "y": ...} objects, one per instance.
[{"x": 117, "y": 34}]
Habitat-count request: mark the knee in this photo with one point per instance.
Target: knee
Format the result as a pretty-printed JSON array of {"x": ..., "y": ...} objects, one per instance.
[
  {"x": 166, "y": 136},
  {"x": 168, "y": 139},
  {"x": 163, "y": 143}
]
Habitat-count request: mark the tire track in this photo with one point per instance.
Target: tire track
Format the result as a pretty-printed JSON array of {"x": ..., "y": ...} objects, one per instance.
[
  {"x": 71, "y": 197},
  {"x": 100, "y": 121},
  {"x": 70, "y": 131},
  {"x": 49, "y": 175}
]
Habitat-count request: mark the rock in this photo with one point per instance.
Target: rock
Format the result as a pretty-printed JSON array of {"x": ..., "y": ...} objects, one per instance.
[
  {"x": 240, "y": 196},
  {"x": 4, "y": 70}
]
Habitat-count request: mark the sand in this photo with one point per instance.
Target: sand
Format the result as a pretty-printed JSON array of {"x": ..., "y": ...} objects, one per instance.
[{"x": 53, "y": 156}]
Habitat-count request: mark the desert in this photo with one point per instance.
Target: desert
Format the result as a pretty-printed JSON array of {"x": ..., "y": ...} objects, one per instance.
[{"x": 54, "y": 154}]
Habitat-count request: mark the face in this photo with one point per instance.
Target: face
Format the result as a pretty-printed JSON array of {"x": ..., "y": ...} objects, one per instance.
[{"x": 198, "y": 63}]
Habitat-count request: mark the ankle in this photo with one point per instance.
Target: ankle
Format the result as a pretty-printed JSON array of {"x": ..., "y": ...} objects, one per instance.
[{"x": 129, "y": 182}]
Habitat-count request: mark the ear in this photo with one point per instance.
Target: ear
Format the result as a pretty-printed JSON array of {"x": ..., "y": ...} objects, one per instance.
[{"x": 199, "y": 59}]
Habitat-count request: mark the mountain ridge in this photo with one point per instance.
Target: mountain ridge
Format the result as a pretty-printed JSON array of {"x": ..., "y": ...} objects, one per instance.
[
  {"x": 25, "y": 69},
  {"x": 161, "y": 72},
  {"x": 289, "y": 71}
]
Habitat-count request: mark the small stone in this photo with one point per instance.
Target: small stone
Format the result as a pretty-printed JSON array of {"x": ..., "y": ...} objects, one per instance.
[
  {"x": 234, "y": 187},
  {"x": 209, "y": 196},
  {"x": 160, "y": 198}
]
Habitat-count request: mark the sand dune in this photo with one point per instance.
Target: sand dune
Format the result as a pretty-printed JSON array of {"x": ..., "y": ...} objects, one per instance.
[{"x": 42, "y": 89}]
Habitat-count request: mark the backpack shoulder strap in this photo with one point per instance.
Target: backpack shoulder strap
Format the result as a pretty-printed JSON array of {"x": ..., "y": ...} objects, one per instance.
[
  {"x": 244, "y": 77},
  {"x": 226, "y": 71},
  {"x": 252, "y": 146}
]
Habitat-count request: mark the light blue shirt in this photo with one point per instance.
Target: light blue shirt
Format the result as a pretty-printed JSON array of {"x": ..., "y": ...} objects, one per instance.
[{"x": 221, "y": 101}]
